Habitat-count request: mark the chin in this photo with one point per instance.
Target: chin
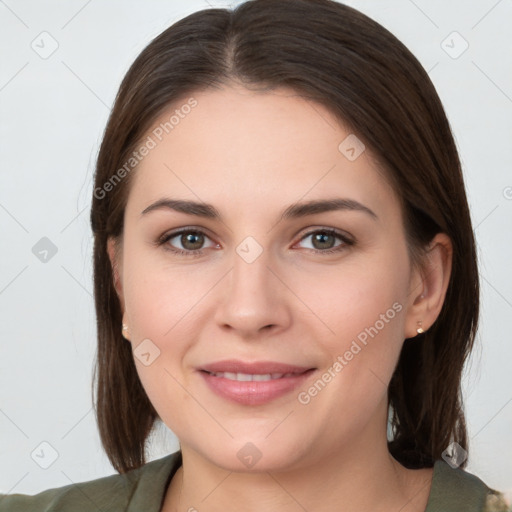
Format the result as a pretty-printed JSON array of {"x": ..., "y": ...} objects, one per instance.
[{"x": 252, "y": 455}]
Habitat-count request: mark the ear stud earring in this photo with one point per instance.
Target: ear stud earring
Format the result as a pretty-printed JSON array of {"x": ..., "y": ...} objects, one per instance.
[
  {"x": 420, "y": 330},
  {"x": 125, "y": 331}
]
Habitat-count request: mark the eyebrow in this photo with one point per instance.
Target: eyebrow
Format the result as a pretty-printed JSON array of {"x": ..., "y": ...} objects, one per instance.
[{"x": 293, "y": 211}]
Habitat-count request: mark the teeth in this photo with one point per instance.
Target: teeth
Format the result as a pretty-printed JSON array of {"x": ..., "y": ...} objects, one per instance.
[
  {"x": 265, "y": 376},
  {"x": 244, "y": 377}
]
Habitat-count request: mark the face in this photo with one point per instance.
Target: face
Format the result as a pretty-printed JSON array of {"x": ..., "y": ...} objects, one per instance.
[{"x": 328, "y": 291}]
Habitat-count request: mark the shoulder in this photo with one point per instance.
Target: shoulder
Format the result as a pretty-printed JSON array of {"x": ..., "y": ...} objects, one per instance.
[
  {"x": 456, "y": 490},
  {"x": 115, "y": 492}
]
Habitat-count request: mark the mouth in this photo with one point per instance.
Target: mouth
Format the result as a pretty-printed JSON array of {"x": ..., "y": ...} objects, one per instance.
[
  {"x": 254, "y": 383},
  {"x": 249, "y": 377}
]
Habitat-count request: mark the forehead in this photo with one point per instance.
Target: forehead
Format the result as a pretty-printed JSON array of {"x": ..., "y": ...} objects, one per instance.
[{"x": 249, "y": 148}]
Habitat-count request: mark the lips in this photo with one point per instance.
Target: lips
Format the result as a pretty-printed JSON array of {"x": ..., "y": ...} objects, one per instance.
[
  {"x": 253, "y": 368},
  {"x": 253, "y": 383}
]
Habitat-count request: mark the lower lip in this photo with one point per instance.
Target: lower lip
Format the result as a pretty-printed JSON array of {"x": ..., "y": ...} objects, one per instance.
[{"x": 254, "y": 392}]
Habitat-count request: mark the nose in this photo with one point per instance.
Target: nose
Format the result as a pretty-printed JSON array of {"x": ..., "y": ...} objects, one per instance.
[{"x": 254, "y": 298}]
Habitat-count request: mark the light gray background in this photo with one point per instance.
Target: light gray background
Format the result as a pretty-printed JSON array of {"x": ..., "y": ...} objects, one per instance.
[{"x": 52, "y": 114}]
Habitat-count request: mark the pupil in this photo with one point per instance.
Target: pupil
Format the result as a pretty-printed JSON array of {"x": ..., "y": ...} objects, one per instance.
[
  {"x": 321, "y": 238},
  {"x": 189, "y": 239}
]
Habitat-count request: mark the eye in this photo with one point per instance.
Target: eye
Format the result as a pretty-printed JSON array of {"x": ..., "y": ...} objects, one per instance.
[
  {"x": 323, "y": 240},
  {"x": 191, "y": 241}
]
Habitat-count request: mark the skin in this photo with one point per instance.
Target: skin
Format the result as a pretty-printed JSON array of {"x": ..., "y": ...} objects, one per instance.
[{"x": 251, "y": 155}]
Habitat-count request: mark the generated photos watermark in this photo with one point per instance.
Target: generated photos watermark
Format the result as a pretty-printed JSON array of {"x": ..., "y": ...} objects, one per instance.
[
  {"x": 304, "y": 397},
  {"x": 151, "y": 142}
]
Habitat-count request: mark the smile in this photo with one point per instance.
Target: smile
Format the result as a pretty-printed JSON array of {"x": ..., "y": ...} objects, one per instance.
[
  {"x": 253, "y": 389},
  {"x": 245, "y": 377}
]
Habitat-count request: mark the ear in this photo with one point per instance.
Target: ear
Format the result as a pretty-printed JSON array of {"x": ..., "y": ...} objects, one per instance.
[
  {"x": 115, "y": 256},
  {"x": 428, "y": 285}
]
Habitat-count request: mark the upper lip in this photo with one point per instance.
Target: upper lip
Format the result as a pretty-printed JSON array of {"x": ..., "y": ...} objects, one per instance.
[{"x": 253, "y": 368}]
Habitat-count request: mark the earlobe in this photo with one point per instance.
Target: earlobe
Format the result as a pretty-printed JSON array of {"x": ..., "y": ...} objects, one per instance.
[
  {"x": 429, "y": 296},
  {"x": 126, "y": 329}
]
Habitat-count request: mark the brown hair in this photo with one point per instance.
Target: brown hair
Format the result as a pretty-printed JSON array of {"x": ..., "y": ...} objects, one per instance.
[{"x": 340, "y": 58}]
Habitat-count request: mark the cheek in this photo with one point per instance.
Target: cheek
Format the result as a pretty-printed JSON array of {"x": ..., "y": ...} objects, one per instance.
[
  {"x": 159, "y": 314},
  {"x": 366, "y": 312},
  {"x": 163, "y": 304},
  {"x": 159, "y": 296},
  {"x": 364, "y": 302}
]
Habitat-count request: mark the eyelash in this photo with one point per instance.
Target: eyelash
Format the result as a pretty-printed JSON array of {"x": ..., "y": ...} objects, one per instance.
[{"x": 347, "y": 242}]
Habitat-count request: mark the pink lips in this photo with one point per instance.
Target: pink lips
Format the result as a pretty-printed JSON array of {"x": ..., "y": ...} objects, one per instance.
[
  {"x": 258, "y": 367},
  {"x": 253, "y": 392}
]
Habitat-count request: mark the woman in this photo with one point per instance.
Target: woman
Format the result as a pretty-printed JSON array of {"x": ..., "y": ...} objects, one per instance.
[{"x": 283, "y": 261}]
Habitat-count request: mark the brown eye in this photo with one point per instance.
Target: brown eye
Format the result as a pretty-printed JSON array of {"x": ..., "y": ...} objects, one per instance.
[{"x": 192, "y": 240}]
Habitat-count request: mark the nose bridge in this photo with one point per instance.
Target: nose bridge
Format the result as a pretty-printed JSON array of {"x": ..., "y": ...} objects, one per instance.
[
  {"x": 250, "y": 269},
  {"x": 253, "y": 296}
]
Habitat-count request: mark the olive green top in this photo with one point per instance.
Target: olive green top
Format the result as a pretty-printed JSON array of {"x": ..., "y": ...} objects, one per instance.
[{"x": 143, "y": 490}]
